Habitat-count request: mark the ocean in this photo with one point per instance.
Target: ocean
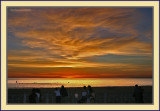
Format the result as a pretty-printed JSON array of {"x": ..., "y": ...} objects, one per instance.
[{"x": 76, "y": 82}]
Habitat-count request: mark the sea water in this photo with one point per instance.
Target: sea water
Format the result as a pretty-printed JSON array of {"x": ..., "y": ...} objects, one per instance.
[{"x": 75, "y": 82}]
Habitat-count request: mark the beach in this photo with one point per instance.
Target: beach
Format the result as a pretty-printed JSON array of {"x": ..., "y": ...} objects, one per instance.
[{"x": 104, "y": 95}]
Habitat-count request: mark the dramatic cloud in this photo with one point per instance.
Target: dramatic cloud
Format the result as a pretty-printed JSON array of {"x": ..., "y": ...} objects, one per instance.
[{"x": 66, "y": 37}]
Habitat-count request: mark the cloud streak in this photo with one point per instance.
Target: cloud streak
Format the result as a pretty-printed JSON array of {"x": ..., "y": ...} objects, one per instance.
[{"x": 71, "y": 35}]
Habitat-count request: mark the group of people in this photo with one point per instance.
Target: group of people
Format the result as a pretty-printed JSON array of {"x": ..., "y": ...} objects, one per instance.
[
  {"x": 87, "y": 95},
  {"x": 61, "y": 94}
]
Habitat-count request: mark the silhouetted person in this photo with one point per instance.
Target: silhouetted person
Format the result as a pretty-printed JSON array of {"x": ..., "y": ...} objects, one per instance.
[
  {"x": 138, "y": 94},
  {"x": 38, "y": 94},
  {"x": 63, "y": 93},
  {"x": 58, "y": 95},
  {"x": 84, "y": 96},
  {"x": 90, "y": 95},
  {"x": 33, "y": 96}
]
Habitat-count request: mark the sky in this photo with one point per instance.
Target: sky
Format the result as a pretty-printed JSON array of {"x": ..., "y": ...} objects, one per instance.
[{"x": 79, "y": 42}]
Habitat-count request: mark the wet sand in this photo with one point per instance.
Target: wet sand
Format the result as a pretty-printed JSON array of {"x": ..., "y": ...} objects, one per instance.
[{"x": 104, "y": 95}]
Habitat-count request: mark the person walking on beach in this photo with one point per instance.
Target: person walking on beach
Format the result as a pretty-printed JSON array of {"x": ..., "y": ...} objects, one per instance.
[
  {"x": 138, "y": 94},
  {"x": 63, "y": 93},
  {"x": 58, "y": 95}
]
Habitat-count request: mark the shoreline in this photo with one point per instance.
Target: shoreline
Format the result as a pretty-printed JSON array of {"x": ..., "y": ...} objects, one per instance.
[{"x": 72, "y": 87}]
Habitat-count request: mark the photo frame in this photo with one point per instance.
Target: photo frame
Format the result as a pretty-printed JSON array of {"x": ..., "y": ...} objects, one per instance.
[{"x": 5, "y": 4}]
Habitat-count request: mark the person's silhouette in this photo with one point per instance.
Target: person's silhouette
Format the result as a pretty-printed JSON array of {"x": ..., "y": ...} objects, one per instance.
[
  {"x": 33, "y": 96},
  {"x": 84, "y": 95},
  {"x": 38, "y": 94},
  {"x": 63, "y": 93},
  {"x": 138, "y": 94},
  {"x": 58, "y": 95},
  {"x": 90, "y": 95}
]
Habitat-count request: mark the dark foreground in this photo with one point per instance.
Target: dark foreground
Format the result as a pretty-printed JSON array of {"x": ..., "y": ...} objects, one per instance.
[{"x": 103, "y": 95}]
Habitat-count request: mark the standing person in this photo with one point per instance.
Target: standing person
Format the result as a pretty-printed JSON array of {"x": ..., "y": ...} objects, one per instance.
[
  {"x": 84, "y": 95},
  {"x": 58, "y": 95},
  {"x": 63, "y": 93},
  {"x": 33, "y": 96},
  {"x": 90, "y": 95},
  {"x": 38, "y": 93},
  {"x": 138, "y": 94}
]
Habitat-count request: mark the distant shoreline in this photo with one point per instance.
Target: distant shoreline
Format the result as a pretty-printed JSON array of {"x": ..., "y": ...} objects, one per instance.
[
  {"x": 67, "y": 82},
  {"x": 72, "y": 87}
]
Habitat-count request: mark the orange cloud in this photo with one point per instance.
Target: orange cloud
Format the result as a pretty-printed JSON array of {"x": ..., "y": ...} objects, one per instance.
[
  {"x": 69, "y": 32},
  {"x": 62, "y": 37}
]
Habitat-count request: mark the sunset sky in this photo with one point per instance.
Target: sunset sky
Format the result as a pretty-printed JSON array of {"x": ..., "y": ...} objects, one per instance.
[{"x": 79, "y": 42}]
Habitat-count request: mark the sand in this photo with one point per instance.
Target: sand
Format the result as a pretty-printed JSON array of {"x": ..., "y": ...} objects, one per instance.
[{"x": 104, "y": 95}]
